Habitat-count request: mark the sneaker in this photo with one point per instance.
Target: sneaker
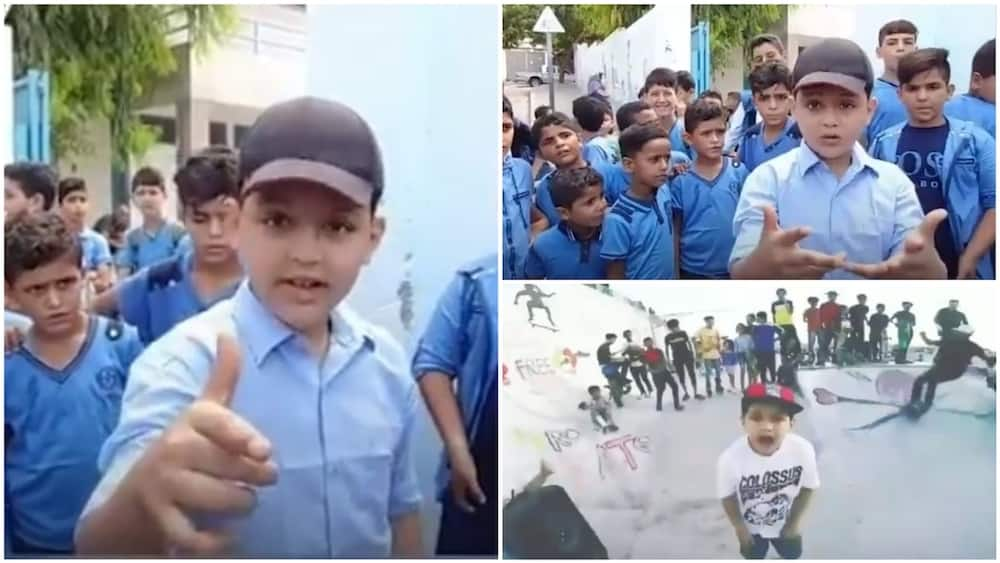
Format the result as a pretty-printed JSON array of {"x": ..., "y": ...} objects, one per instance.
[
  {"x": 700, "y": 397},
  {"x": 686, "y": 396},
  {"x": 679, "y": 407}
]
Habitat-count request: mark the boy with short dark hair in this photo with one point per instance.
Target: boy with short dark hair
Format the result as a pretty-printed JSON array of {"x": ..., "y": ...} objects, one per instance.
[
  {"x": 813, "y": 325},
  {"x": 951, "y": 163},
  {"x": 764, "y": 48},
  {"x": 157, "y": 298},
  {"x": 705, "y": 196},
  {"x": 455, "y": 366},
  {"x": 764, "y": 334},
  {"x": 28, "y": 187},
  {"x": 592, "y": 115},
  {"x": 678, "y": 344},
  {"x": 656, "y": 361},
  {"x": 978, "y": 105},
  {"x": 558, "y": 140},
  {"x": 638, "y": 232},
  {"x": 905, "y": 322},
  {"x": 617, "y": 180},
  {"x": 878, "y": 229},
  {"x": 311, "y": 179},
  {"x": 896, "y": 39},
  {"x": 156, "y": 239},
  {"x": 600, "y": 410},
  {"x": 540, "y": 111},
  {"x": 521, "y": 219},
  {"x": 571, "y": 249},
  {"x": 96, "y": 260},
  {"x": 776, "y": 133},
  {"x": 685, "y": 92},
  {"x": 877, "y": 324},
  {"x": 766, "y": 479},
  {"x": 858, "y": 316},
  {"x": 660, "y": 92},
  {"x": 62, "y": 386}
]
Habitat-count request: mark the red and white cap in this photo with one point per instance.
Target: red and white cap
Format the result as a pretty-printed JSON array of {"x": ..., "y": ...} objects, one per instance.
[{"x": 772, "y": 393}]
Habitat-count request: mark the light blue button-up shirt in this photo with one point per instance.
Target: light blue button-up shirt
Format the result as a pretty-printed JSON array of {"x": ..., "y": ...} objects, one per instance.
[
  {"x": 341, "y": 429},
  {"x": 867, "y": 213},
  {"x": 94, "y": 249},
  {"x": 461, "y": 342}
]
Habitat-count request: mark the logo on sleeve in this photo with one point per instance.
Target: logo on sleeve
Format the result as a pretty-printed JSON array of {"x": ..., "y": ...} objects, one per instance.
[{"x": 110, "y": 379}]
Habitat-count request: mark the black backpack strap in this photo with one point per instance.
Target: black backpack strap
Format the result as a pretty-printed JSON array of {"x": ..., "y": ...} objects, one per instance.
[{"x": 163, "y": 273}]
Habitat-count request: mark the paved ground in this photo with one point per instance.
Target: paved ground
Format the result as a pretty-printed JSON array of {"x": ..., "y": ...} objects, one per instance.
[{"x": 525, "y": 98}]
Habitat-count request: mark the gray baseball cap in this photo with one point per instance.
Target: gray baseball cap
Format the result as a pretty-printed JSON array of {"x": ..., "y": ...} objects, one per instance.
[{"x": 835, "y": 61}]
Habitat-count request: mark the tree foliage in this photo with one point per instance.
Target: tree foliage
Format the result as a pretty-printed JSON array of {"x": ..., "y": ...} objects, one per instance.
[
  {"x": 102, "y": 60},
  {"x": 732, "y": 26}
]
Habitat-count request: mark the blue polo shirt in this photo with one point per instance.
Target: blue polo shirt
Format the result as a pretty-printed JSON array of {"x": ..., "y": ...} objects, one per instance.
[
  {"x": 975, "y": 109},
  {"x": 461, "y": 341},
  {"x": 96, "y": 251},
  {"x": 596, "y": 151},
  {"x": 889, "y": 111},
  {"x": 157, "y": 298},
  {"x": 642, "y": 234},
  {"x": 518, "y": 196},
  {"x": 543, "y": 190},
  {"x": 707, "y": 207},
  {"x": 58, "y": 420},
  {"x": 143, "y": 249},
  {"x": 677, "y": 139},
  {"x": 867, "y": 213},
  {"x": 763, "y": 337},
  {"x": 341, "y": 427},
  {"x": 558, "y": 255},
  {"x": 617, "y": 181},
  {"x": 754, "y": 151}
]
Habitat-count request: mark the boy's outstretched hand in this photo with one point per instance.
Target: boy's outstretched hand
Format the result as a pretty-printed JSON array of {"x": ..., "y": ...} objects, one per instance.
[
  {"x": 205, "y": 463},
  {"x": 465, "y": 481},
  {"x": 918, "y": 260},
  {"x": 778, "y": 254}
]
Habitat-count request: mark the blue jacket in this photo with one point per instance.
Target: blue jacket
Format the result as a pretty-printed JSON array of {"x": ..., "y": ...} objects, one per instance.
[{"x": 968, "y": 176}]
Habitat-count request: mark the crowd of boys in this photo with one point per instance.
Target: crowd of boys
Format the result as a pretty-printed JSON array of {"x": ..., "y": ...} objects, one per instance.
[{"x": 819, "y": 171}]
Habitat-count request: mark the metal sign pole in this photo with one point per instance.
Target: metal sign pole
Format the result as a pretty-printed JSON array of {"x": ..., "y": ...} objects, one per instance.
[{"x": 552, "y": 79}]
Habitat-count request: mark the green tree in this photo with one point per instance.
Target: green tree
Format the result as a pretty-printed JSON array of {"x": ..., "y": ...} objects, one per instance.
[
  {"x": 732, "y": 26},
  {"x": 102, "y": 60}
]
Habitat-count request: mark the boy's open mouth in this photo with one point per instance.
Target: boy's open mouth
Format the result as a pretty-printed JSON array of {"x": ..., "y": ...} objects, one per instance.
[
  {"x": 304, "y": 283},
  {"x": 765, "y": 441}
]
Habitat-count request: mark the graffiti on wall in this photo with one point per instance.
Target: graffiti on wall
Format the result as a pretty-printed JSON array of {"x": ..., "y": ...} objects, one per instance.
[{"x": 626, "y": 446}]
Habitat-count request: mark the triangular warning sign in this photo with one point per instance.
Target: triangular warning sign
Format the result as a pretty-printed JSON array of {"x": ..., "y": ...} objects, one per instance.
[{"x": 548, "y": 22}]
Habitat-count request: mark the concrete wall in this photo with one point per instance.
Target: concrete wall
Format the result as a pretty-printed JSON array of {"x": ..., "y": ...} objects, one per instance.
[
  {"x": 427, "y": 84},
  {"x": 662, "y": 37}
]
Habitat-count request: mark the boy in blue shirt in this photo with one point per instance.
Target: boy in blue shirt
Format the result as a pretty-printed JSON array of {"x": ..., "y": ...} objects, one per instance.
[
  {"x": 157, "y": 298},
  {"x": 519, "y": 212},
  {"x": 96, "y": 260},
  {"x": 978, "y": 105},
  {"x": 459, "y": 347},
  {"x": 952, "y": 163},
  {"x": 896, "y": 39},
  {"x": 157, "y": 238},
  {"x": 843, "y": 213},
  {"x": 617, "y": 180},
  {"x": 776, "y": 133},
  {"x": 592, "y": 115},
  {"x": 571, "y": 250},
  {"x": 705, "y": 196},
  {"x": 28, "y": 187},
  {"x": 765, "y": 48},
  {"x": 638, "y": 230},
  {"x": 62, "y": 386},
  {"x": 204, "y": 458},
  {"x": 660, "y": 92}
]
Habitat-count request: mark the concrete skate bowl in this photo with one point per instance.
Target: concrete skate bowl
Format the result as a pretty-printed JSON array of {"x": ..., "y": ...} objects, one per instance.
[{"x": 648, "y": 491}]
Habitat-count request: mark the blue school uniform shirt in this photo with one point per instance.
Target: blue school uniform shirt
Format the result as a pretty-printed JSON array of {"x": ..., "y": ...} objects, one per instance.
[
  {"x": 730, "y": 358},
  {"x": 707, "y": 207},
  {"x": 543, "y": 191},
  {"x": 596, "y": 151},
  {"x": 558, "y": 255},
  {"x": 461, "y": 342},
  {"x": 677, "y": 139},
  {"x": 968, "y": 179},
  {"x": 518, "y": 199},
  {"x": 340, "y": 428},
  {"x": 867, "y": 213},
  {"x": 156, "y": 299},
  {"x": 617, "y": 181},
  {"x": 889, "y": 111},
  {"x": 95, "y": 249},
  {"x": 754, "y": 151},
  {"x": 57, "y": 421},
  {"x": 642, "y": 234},
  {"x": 763, "y": 337},
  {"x": 968, "y": 107},
  {"x": 142, "y": 249}
]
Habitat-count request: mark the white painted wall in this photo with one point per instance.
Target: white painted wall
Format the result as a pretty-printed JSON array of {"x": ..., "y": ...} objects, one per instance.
[
  {"x": 662, "y": 37},
  {"x": 425, "y": 79}
]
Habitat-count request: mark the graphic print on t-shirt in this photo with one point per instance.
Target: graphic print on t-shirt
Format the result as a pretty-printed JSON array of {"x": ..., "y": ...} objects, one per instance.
[{"x": 763, "y": 498}]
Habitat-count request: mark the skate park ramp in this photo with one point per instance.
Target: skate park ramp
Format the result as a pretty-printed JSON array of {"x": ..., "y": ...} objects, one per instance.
[{"x": 906, "y": 489}]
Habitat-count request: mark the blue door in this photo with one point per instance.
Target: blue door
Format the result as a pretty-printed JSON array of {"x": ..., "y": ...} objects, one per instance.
[
  {"x": 701, "y": 61},
  {"x": 31, "y": 117}
]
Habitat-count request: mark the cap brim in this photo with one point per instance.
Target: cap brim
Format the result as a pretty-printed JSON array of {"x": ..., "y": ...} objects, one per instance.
[
  {"x": 849, "y": 83},
  {"x": 352, "y": 187},
  {"x": 790, "y": 408}
]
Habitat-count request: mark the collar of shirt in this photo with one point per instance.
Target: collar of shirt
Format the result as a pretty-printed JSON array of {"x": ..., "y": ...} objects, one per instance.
[
  {"x": 265, "y": 332},
  {"x": 860, "y": 161},
  {"x": 566, "y": 230}
]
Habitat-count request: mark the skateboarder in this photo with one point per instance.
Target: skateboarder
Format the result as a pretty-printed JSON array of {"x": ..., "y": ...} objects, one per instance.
[
  {"x": 953, "y": 357},
  {"x": 657, "y": 362},
  {"x": 950, "y": 317},
  {"x": 904, "y": 321},
  {"x": 876, "y": 326},
  {"x": 611, "y": 367},
  {"x": 600, "y": 410},
  {"x": 535, "y": 295},
  {"x": 678, "y": 345},
  {"x": 634, "y": 363},
  {"x": 858, "y": 315},
  {"x": 829, "y": 317},
  {"x": 781, "y": 311}
]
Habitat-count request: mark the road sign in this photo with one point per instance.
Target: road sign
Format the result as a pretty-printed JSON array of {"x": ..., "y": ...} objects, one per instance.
[{"x": 548, "y": 22}]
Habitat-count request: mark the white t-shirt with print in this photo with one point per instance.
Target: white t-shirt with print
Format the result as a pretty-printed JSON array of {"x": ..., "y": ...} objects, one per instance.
[{"x": 766, "y": 486}]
